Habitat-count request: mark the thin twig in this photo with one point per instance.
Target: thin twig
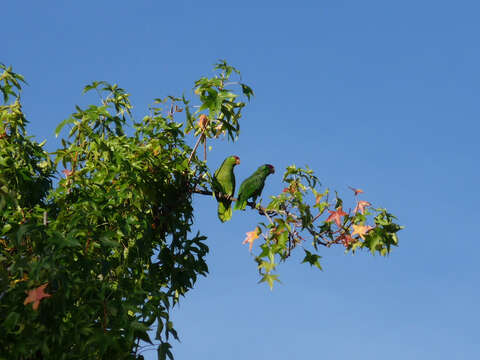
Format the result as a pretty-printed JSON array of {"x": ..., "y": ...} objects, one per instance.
[
  {"x": 205, "y": 148},
  {"x": 317, "y": 216},
  {"x": 268, "y": 217},
  {"x": 194, "y": 149}
]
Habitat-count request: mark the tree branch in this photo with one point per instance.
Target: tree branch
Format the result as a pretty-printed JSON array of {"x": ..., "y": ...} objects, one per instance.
[
  {"x": 318, "y": 237},
  {"x": 261, "y": 209}
]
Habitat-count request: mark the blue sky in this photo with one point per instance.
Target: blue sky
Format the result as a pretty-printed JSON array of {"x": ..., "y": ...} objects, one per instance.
[{"x": 379, "y": 95}]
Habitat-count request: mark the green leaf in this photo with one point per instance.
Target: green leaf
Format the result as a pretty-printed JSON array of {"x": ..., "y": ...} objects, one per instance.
[
  {"x": 267, "y": 266},
  {"x": 269, "y": 279},
  {"x": 60, "y": 126},
  {"x": 312, "y": 259},
  {"x": 247, "y": 91},
  {"x": 164, "y": 351},
  {"x": 11, "y": 321},
  {"x": 6, "y": 228}
]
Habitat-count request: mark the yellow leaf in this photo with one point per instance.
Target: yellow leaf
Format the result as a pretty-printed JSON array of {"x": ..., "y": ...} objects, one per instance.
[
  {"x": 251, "y": 237},
  {"x": 361, "y": 230}
]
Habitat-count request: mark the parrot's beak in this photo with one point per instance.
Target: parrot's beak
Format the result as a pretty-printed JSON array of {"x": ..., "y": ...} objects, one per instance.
[
  {"x": 273, "y": 170},
  {"x": 237, "y": 161}
]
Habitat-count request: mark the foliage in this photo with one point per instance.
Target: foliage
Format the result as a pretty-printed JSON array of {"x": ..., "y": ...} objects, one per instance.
[
  {"x": 290, "y": 217},
  {"x": 96, "y": 240}
]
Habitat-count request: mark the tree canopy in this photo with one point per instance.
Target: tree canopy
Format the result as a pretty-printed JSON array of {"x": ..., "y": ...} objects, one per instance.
[{"x": 96, "y": 237}]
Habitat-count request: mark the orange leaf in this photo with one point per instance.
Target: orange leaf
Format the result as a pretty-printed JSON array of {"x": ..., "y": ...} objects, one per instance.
[
  {"x": 36, "y": 295},
  {"x": 361, "y": 230},
  {"x": 251, "y": 237},
  {"x": 336, "y": 216},
  {"x": 356, "y": 191},
  {"x": 361, "y": 205}
]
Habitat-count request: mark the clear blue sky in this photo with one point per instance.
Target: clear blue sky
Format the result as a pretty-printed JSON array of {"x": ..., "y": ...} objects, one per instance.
[{"x": 380, "y": 95}]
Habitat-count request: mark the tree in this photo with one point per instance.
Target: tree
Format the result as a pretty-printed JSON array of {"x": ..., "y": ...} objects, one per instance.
[{"x": 95, "y": 255}]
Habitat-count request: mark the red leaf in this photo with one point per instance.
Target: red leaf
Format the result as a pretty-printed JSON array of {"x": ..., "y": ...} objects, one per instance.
[
  {"x": 356, "y": 191},
  {"x": 361, "y": 205},
  {"x": 336, "y": 216}
]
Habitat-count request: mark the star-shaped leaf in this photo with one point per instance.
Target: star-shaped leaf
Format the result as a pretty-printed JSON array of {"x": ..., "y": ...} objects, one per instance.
[
  {"x": 312, "y": 259},
  {"x": 336, "y": 216},
  {"x": 361, "y": 230},
  {"x": 36, "y": 295},
  {"x": 251, "y": 237},
  {"x": 269, "y": 279},
  {"x": 361, "y": 205}
]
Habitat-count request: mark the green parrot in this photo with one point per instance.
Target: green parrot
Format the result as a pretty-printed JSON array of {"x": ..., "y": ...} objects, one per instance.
[
  {"x": 224, "y": 183},
  {"x": 252, "y": 186}
]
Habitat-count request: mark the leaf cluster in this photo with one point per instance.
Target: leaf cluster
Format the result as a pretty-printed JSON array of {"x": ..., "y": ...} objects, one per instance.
[{"x": 304, "y": 216}]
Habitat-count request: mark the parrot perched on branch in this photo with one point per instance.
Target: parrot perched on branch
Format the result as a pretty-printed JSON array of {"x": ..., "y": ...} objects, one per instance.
[
  {"x": 224, "y": 183},
  {"x": 252, "y": 186}
]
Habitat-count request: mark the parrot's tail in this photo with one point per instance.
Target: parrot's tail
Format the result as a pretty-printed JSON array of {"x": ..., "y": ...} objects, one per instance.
[
  {"x": 224, "y": 211},
  {"x": 240, "y": 205}
]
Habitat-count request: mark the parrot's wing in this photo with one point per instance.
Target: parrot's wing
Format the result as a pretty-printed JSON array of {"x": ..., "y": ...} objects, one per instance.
[
  {"x": 251, "y": 187},
  {"x": 224, "y": 182},
  {"x": 220, "y": 178}
]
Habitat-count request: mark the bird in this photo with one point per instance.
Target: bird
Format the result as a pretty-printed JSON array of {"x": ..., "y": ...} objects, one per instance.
[
  {"x": 252, "y": 186},
  {"x": 224, "y": 183}
]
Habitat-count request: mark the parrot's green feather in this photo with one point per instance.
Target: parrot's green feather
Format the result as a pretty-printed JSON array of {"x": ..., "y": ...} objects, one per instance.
[
  {"x": 224, "y": 183},
  {"x": 224, "y": 213},
  {"x": 252, "y": 186}
]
